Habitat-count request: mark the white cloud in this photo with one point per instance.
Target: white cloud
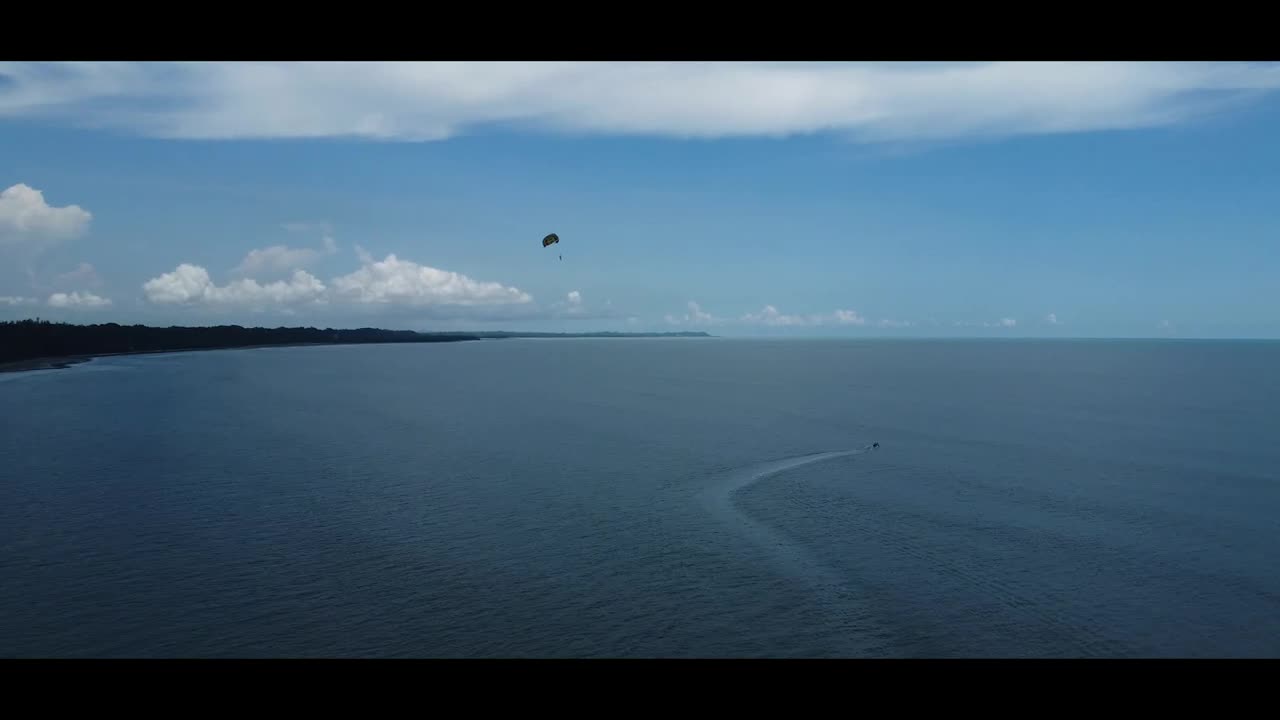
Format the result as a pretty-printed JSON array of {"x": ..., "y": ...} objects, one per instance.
[
  {"x": 192, "y": 284},
  {"x": 437, "y": 100},
  {"x": 15, "y": 301},
  {"x": 280, "y": 258},
  {"x": 1001, "y": 323},
  {"x": 76, "y": 299},
  {"x": 849, "y": 317},
  {"x": 695, "y": 316},
  {"x": 572, "y": 304},
  {"x": 886, "y": 323},
  {"x": 1052, "y": 319},
  {"x": 28, "y": 221},
  {"x": 393, "y": 280},
  {"x": 698, "y": 315},
  {"x": 770, "y": 316}
]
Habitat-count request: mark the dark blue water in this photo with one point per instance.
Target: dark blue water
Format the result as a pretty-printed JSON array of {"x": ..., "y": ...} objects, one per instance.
[{"x": 647, "y": 498}]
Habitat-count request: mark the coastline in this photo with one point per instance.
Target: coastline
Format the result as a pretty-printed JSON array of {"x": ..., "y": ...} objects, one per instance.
[
  {"x": 66, "y": 361},
  {"x": 62, "y": 363}
]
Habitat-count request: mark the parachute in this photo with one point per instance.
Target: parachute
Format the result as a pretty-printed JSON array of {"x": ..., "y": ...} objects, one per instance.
[{"x": 550, "y": 240}]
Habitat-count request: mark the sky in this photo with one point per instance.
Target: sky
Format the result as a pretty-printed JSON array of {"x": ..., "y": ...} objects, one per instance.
[{"x": 744, "y": 199}]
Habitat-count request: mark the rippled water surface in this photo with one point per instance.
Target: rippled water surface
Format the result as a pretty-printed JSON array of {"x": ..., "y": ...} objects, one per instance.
[{"x": 647, "y": 498}]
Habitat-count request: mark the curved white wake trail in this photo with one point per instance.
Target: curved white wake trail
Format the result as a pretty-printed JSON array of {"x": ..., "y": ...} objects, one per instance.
[
  {"x": 845, "y": 608},
  {"x": 723, "y": 491}
]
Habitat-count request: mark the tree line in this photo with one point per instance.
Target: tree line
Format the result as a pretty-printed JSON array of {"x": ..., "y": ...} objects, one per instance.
[{"x": 36, "y": 338}]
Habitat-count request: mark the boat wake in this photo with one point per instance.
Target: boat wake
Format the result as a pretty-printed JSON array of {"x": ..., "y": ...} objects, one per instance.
[{"x": 846, "y": 612}]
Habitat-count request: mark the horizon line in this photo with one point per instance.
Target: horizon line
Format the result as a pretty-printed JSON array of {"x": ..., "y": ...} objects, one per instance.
[{"x": 704, "y": 333}]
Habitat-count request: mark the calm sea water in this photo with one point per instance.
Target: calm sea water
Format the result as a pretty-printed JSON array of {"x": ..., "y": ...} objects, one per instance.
[{"x": 651, "y": 498}]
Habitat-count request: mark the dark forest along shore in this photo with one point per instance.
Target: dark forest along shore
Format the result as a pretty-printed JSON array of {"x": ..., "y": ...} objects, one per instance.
[{"x": 43, "y": 345}]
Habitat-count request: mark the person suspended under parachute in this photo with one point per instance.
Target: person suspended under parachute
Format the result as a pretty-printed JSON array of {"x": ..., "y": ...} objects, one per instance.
[{"x": 550, "y": 240}]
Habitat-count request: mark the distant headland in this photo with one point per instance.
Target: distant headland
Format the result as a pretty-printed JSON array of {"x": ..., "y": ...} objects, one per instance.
[{"x": 41, "y": 344}]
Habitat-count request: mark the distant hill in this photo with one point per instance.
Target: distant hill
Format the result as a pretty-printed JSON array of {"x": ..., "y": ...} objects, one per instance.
[{"x": 26, "y": 344}]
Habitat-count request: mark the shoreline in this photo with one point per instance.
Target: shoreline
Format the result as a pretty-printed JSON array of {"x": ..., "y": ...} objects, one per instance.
[
  {"x": 42, "y": 364},
  {"x": 66, "y": 361}
]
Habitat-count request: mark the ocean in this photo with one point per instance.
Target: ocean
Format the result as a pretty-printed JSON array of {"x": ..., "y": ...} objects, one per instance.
[{"x": 647, "y": 498}]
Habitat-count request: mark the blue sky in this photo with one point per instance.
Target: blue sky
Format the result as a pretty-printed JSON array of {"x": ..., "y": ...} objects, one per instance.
[{"x": 1006, "y": 200}]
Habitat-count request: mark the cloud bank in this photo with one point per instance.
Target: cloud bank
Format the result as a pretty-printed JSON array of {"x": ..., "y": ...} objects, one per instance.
[
  {"x": 849, "y": 317},
  {"x": 192, "y": 284},
  {"x": 390, "y": 281},
  {"x": 422, "y": 101},
  {"x": 771, "y": 316},
  {"x": 1001, "y": 323},
  {"x": 78, "y": 300},
  {"x": 695, "y": 316}
]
